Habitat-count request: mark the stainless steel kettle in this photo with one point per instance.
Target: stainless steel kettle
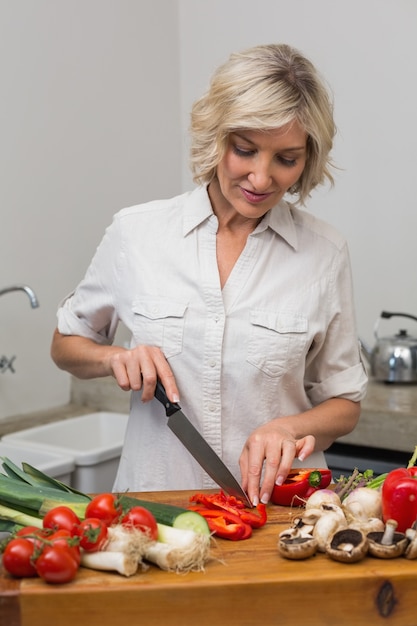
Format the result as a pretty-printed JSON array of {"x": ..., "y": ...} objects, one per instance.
[{"x": 393, "y": 359}]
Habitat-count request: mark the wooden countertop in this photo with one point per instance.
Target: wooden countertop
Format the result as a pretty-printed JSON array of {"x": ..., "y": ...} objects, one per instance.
[{"x": 246, "y": 583}]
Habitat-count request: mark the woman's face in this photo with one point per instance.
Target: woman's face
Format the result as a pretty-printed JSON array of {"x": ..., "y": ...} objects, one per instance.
[{"x": 258, "y": 168}]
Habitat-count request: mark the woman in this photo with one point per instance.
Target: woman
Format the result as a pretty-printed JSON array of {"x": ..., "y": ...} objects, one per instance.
[{"x": 238, "y": 301}]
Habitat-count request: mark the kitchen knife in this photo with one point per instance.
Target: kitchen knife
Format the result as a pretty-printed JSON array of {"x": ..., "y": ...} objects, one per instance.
[{"x": 198, "y": 447}]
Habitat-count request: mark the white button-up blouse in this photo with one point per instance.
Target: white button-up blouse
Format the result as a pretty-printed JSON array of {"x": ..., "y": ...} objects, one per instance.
[{"x": 279, "y": 338}]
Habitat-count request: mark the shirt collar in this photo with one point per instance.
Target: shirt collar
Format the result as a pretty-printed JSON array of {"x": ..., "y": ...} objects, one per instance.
[
  {"x": 197, "y": 209},
  {"x": 280, "y": 219}
]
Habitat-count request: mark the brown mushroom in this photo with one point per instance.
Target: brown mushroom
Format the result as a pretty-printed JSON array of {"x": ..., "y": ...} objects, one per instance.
[
  {"x": 388, "y": 544},
  {"x": 305, "y": 523},
  {"x": 411, "y": 549},
  {"x": 347, "y": 545},
  {"x": 373, "y": 524},
  {"x": 327, "y": 525},
  {"x": 297, "y": 547}
]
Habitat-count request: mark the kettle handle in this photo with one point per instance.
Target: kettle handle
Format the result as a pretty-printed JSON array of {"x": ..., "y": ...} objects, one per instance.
[{"x": 387, "y": 315}]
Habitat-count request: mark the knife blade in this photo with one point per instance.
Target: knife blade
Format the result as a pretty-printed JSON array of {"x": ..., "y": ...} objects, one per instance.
[{"x": 195, "y": 443}]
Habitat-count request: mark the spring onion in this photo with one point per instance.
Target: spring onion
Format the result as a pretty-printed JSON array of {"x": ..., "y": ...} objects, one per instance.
[
  {"x": 120, "y": 562},
  {"x": 179, "y": 550}
]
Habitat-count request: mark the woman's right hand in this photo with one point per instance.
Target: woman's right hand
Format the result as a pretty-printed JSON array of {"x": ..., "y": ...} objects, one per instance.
[
  {"x": 139, "y": 368},
  {"x": 133, "y": 368}
]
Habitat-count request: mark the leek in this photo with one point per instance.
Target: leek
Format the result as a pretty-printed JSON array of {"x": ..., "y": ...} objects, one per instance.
[
  {"x": 31, "y": 492},
  {"x": 17, "y": 517}
]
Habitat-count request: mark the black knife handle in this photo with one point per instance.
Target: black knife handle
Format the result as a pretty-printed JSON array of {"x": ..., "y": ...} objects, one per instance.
[{"x": 160, "y": 394}]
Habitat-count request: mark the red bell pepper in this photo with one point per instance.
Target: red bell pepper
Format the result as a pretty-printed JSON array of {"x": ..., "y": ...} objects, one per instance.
[
  {"x": 225, "y": 524},
  {"x": 233, "y": 505},
  {"x": 218, "y": 501},
  {"x": 399, "y": 497},
  {"x": 222, "y": 511},
  {"x": 299, "y": 485},
  {"x": 255, "y": 520}
]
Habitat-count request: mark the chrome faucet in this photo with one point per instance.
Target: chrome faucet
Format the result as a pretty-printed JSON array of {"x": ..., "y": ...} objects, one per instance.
[{"x": 30, "y": 293}]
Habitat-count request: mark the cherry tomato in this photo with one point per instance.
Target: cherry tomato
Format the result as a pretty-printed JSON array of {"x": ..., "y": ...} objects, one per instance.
[
  {"x": 28, "y": 531},
  {"x": 141, "y": 518},
  {"x": 64, "y": 537},
  {"x": 92, "y": 533},
  {"x": 104, "y": 506},
  {"x": 34, "y": 534},
  {"x": 61, "y": 517},
  {"x": 17, "y": 558},
  {"x": 56, "y": 564}
]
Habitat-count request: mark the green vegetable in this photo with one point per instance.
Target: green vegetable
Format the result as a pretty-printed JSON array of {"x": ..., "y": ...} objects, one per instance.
[
  {"x": 33, "y": 496},
  {"x": 346, "y": 484},
  {"x": 7, "y": 526},
  {"x": 34, "y": 493},
  {"x": 169, "y": 515},
  {"x": 18, "y": 517},
  {"x": 37, "y": 501},
  {"x": 27, "y": 494}
]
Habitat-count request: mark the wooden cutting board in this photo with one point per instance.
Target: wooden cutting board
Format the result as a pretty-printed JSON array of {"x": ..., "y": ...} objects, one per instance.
[{"x": 246, "y": 583}]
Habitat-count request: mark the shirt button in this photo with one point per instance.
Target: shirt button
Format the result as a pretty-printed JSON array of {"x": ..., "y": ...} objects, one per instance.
[
  {"x": 212, "y": 407},
  {"x": 216, "y": 318},
  {"x": 212, "y": 363}
]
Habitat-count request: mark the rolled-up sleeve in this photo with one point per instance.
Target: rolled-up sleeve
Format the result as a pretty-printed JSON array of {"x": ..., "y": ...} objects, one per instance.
[
  {"x": 336, "y": 368},
  {"x": 90, "y": 311}
]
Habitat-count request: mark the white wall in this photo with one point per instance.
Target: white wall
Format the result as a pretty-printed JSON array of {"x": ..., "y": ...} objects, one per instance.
[
  {"x": 367, "y": 51},
  {"x": 94, "y": 106},
  {"x": 89, "y": 123}
]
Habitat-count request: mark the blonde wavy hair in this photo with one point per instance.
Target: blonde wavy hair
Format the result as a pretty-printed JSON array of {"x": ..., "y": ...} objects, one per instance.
[{"x": 263, "y": 88}]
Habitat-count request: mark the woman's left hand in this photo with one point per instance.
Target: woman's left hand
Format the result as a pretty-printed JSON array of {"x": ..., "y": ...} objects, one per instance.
[{"x": 273, "y": 448}]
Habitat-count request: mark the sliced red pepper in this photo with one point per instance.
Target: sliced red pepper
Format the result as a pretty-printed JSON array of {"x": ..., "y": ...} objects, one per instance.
[
  {"x": 299, "y": 485},
  {"x": 255, "y": 520},
  {"x": 218, "y": 501},
  {"x": 225, "y": 524},
  {"x": 231, "y": 504}
]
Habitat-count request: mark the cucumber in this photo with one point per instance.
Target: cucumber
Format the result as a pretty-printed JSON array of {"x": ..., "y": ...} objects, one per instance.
[{"x": 170, "y": 515}]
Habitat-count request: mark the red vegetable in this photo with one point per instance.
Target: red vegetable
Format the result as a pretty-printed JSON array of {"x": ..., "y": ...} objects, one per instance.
[
  {"x": 31, "y": 532},
  {"x": 399, "y": 497},
  {"x": 299, "y": 485},
  {"x": 227, "y": 516},
  {"x": 92, "y": 533},
  {"x": 18, "y": 557},
  {"x": 104, "y": 506},
  {"x": 64, "y": 537},
  {"x": 34, "y": 534},
  {"x": 255, "y": 520},
  {"x": 56, "y": 564},
  {"x": 141, "y": 518},
  {"x": 60, "y": 517},
  {"x": 225, "y": 524}
]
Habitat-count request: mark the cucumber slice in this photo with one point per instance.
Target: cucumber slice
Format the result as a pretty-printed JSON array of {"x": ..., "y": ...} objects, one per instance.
[{"x": 170, "y": 515}]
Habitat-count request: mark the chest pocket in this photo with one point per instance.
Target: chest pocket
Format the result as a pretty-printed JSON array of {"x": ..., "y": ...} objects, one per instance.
[
  {"x": 159, "y": 321},
  {"x": 277, "y": 341}
]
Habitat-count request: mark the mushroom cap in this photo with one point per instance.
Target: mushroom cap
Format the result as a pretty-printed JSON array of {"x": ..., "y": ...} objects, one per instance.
[
  {"x": 347, "y": 545},
  {"x": 411, "y": 549},
  {"x": 297, "y": 548},
  {"x": 381, "y": 551}
]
